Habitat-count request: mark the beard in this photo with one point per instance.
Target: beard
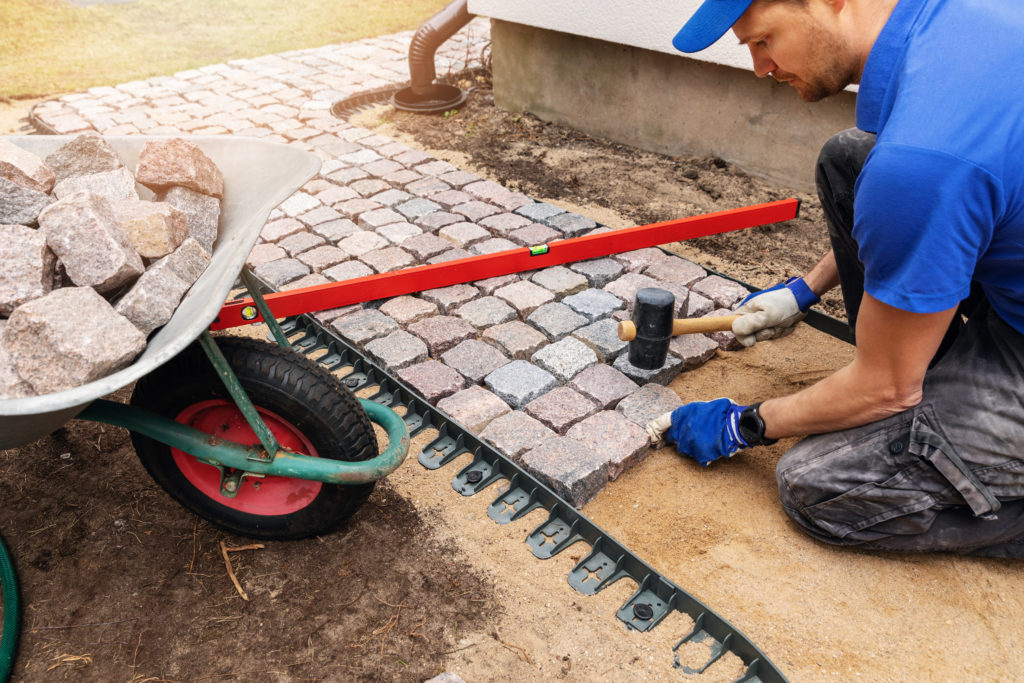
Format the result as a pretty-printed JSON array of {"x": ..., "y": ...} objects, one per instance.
[{"x": 828, "y": 72}]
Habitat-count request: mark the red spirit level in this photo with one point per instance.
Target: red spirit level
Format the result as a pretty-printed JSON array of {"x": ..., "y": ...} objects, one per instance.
[{"x": 420, "y": 278}]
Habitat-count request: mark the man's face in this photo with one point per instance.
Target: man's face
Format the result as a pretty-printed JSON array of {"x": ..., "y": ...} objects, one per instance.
[{"x": 800, "y": 45}]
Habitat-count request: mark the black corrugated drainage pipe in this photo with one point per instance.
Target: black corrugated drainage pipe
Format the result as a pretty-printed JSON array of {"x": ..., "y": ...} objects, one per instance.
[{"x": 424, "y": 95}]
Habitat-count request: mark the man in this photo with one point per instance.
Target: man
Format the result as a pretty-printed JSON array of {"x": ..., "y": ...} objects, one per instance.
[{"x": 918, "y": 444}]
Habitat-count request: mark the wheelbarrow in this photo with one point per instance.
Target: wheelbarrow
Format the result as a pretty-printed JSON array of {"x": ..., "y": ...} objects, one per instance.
[{"x": 247, "y": 434}]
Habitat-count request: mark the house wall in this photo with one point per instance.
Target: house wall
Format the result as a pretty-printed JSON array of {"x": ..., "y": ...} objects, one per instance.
[{"x": 654, "y": 98}]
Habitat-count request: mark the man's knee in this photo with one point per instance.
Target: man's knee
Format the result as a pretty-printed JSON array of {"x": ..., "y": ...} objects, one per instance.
[{"x": 841, "y": 160}]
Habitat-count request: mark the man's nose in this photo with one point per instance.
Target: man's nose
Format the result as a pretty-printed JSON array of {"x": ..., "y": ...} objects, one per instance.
[{"x": 763, "y": 64}]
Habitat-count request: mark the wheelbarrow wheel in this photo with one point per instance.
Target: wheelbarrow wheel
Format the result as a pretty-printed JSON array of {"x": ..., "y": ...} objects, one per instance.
[{"x": 306, "y": 408}]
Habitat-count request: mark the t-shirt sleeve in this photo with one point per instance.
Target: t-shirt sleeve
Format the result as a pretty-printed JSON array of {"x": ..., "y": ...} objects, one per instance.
[{"x": 922, "y": 219}]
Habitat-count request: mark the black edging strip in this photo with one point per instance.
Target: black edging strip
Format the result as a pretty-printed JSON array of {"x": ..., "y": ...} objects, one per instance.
[{"x": 608, "y": 561}]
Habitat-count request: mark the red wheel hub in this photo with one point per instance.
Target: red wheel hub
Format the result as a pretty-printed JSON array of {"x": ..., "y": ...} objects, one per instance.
[{"x": 268, "y": 496}]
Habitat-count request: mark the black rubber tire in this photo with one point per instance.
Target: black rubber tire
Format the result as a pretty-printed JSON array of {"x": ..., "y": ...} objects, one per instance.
[{"x": 276, "y": 379}]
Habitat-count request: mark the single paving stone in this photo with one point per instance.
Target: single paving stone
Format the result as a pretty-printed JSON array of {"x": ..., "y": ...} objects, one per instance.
[
  {"x": 415, "y": 208},
  {"x": 487, "y": 190},
  {"x": 85, "y": 154},
  {"x": 493, "y": 246},
  {"x": 408, "y": 309},
  {"x": 359, "y": 243},
  {"x": 188, "y": 261},
  {"x": 413, "y": 157},
  {"x": 593, "y": 304},
  {"x": 434, "y": 168},
  {"x": 539, "y": 211},
  {"x": 677, "y": 270},
  {"x": 726, "y": 341},
  {"x": 459, "y": 179},
  {"x": 402, "y": 177},
  {"x": 272, "y": 231},
  {"x": 432, "y": 379},
  {"x": 519, "y": 382},
  {"x": 321, "y": 214},
  {"x": 178, "y": 162},
  {"x": 599, "y": 272},
  {"x": 565, "y": 359},
  {"x": 298, "y": 204},
  {"x": 489, "y": 286},
  {"x": 349, "y": 270},
  {"x": 323, "y": 257},
  {"x": 396, "y": 233},
  {"x": 463, "y": 234},
  {"x": 724, "y": 293},
  {"x": 11, "y": 383},
  {"x": 264, "y": 253},
  {"x": 155, "y": 229},
  {"x": 561, "y": 408},
  {"x": 281, "y": 272},
  {"x": 377, "y": 218},
  {"x": 604, "y": 385},
  {"x": 698, "y": 306},
  {"x": 335, "y": 195},
  {"x": 54, "y": 351},
  {"x": 565, "y": 465},
  {"x": 364, "y": 326},
  {"x": 663, "y": 375},
  {"x": 450, "y": 298},
  {"x": 388, "y": 259},
  {"x": 560, "y": 281},
  {"x": 515, "y": 433},
  {"x": 202, "y": 215},
  {"x": 83, "y": 232},
  {"x": 426, "y": 246},
  {"x": 555, "y": 320},
  {"x": 382, "y": 167},
  {"x": 533, "y": 234},
  {"x": 475, "y": 210},
  {"x": 602, "y": 336},
  {"x": 300, "y": 242},
  {"x": 619, "y": 442},
  {"x": 20, "y": 205},
  {"x": 504, "y": 224},
  {"x": 627, "y": 286},
  {"x": 28, "y": 266},
  {"x": 512, "y": 201},
  {"x": 368, "y": 187},
  {"x": 486, "y": 312},
  {"x": 647, "y": 403},
  {"x": 397, "y": 350},
  {"x": 474, "y": 359},
  {"x": 311, "y": 280},
  {"x": 693, "y": 349},
  {"x": 24, "y": 168},
  {"x": 473, "y": 408},
  {"x": 442, "y": 332},
  {"x": 390, "y": 196},
  {"x": 517, "y": 339},
  {"x": 354, "y": 208},
  {"x": 453, "y": 254},
  {"x": 524, "y": 296},
  {"x": 116, "y": 185},
  {"x": 450, "y": 198},
  {"x": 435, "y": 220},
  {"x": 639, "y": 259},
  {"x": 427, "y": 186},
  {"x": 570, "y": 224},
  {"x": 153, "y": 298}
]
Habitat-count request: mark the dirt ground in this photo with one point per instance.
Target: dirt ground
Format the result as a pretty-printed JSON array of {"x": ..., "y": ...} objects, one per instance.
[{"x": 121, "y": 583}]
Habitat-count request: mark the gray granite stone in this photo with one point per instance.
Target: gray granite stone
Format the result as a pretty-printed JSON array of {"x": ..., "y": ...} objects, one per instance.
[
  {"x": 359, "y": 243},
  {"x": 593, "y": 304},
  {"x": 28, "y": 266},
  {"x": 202, "y": 214},
  {"x": 459, "y": 179},
  {"x": 566, "y": 466},
  {"x": 504, "y": 224},
  {"x": 116, "y": 185},
  {"x": 323, "y": 257},
  {"x": 153, "y": 298},
  {"x": 486, "y": 312},
  {"x": 427, "y": 186},
  {"x": 377, "y": 218},
  {"x": 565, "y": 359},
  {"x": 354, "y": 208},
  {"x": 570, "y": 224},
  {"x": 368, "y": 187},
  {"x": 493, "y": 246},
  {"x": 515, "y": 338},
  {"x": 321, "y": 214},
  {"x": 604, "y": 385},
  {"x": 539, "y": 211},
  {"x": 177, "y": 162},
  {"x": 300, "y": 242},
  {"x": 416, "y": 208},
  {"x": 534, "y": 234},
  {"x": 629, "y": 284},
  {"x": 693, "y": 349},
  {"x": 408, "y": 309},
  {"x": 24, "y": 168},
  {"x": 348, "y": 270},
  {"x": 388, "y": 259},
  {"x": 82, "y": 155},
  {"x": 21, "y": 205},
  {"x": 442, "y": 332},
  {"x": 335, "y": 231},
  {"x": 677, "y": 270},
  {"x": 698, "y": 306},
  {"x": 450, "y": 198},
  {"x": 476, "y": 210},
  {"x": 599, "y": 272},
  {"x": 560, "y": 281},
  {"x": 663, "y": 375},
  {"x": 519, "y": 382},
  {"x": 475, "y": 359},
  {"x": 486, "y": 190},
  {"x": 397, "y": 350},
  {"x": 473, "y": 408},
  {"x": 276, "y": 229},
  {"x": 432, "y": 379},
  {"x": 264, "y": 253},
  {"x": 433, "y": 221},
  {"x": 639, "y": 259},
  {"x": 463, "y": 234},
  {"x": 449, "y": 298},
  {"x": 555, "y": 320},
  {"x": 724, "y": 293},
  {"x": 515, "y": 433},
  {"x": 453, "y": 254},
  {"x": 602, "y": 336},
  {"x": 426, "y": 246},
  {"x": 561, "y": 408},
  {"x": 390, "y": 196},
  {"x": 364, "y": 326},
  {"x": 396, "y": 233},
  {"x": 524, "y": 296},
  {"x": 649, "y": 402},
  {"x": 620, "y": 443},
  {"x": 490, "y": 285}
]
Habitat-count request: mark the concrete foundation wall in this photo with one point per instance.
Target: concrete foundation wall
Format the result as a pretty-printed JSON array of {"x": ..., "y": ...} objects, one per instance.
[{"x": 664, "y": 103}]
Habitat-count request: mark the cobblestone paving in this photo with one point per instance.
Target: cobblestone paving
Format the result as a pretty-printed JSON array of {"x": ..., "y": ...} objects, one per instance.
[{"x": 518, "y": 360}]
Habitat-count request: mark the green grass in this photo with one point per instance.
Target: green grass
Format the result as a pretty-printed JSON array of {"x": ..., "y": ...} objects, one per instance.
[{"x": 49, "y": 46}]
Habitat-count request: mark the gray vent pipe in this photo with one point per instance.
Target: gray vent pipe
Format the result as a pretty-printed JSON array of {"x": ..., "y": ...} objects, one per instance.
[{"x": 424, "y": 95}]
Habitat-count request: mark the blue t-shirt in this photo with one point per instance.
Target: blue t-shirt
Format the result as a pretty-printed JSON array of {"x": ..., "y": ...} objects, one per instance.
[{"x": 940, "y": 200}]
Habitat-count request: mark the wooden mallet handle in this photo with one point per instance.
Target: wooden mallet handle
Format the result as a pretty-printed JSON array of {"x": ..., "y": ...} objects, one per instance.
[{"x": 627, "y": 330}]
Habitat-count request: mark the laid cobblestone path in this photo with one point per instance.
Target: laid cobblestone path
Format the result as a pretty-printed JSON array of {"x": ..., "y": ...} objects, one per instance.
[{"x": 528, "y": 362}]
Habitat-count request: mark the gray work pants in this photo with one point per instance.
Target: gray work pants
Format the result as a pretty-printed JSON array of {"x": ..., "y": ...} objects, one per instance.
[{"x": 947, "y": 475}]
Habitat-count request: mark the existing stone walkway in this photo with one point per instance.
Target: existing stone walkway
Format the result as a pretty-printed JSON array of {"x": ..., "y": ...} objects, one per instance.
[{"x": 529, "y": 362}]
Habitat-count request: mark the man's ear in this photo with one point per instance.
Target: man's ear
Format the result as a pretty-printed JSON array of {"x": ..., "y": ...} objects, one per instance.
[{"x": 837, "y": 5}]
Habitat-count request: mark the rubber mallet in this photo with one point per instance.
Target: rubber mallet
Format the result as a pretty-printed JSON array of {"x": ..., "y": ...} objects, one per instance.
[{"x": 652, "y": 327}]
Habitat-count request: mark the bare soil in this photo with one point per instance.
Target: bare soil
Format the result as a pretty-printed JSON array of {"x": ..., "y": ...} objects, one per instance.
[{"x": 120, "y": 583}]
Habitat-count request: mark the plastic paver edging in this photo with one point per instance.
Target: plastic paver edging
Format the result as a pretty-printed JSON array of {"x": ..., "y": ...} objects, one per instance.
[{"x": 607, "y": 562}]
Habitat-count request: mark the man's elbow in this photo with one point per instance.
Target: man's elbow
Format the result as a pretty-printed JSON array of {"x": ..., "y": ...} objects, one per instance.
[{"x": 894, "y": 399}]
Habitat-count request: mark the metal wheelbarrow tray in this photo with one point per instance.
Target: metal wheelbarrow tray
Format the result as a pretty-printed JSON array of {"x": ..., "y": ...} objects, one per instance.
[{"x": 262, "y": 449}]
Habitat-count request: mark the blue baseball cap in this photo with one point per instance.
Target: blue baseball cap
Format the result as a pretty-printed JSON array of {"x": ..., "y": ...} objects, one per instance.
[{"x": 709, "y": 23}]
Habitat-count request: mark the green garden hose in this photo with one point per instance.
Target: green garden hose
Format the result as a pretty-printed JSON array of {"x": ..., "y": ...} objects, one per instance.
[{"x": 9, "y": 634}]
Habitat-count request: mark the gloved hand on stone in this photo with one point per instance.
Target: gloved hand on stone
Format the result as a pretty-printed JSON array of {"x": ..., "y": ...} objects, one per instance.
[
  {"x": 704, "y": 431},
  {"x": 772, "y": 312}
]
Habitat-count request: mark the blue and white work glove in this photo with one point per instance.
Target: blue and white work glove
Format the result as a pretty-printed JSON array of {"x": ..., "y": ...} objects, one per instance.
[
  {"x": 772, "y": 312},
  {"x": 707, "y": 431}
]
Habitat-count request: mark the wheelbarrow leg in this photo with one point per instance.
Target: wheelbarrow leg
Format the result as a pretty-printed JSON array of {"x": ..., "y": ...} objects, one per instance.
[{"x": 261, "y": 305}]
